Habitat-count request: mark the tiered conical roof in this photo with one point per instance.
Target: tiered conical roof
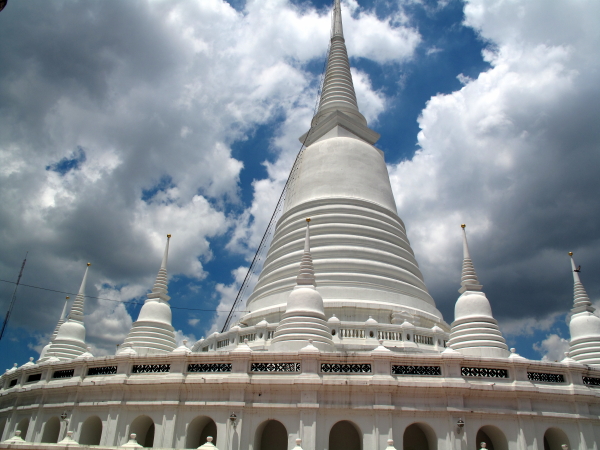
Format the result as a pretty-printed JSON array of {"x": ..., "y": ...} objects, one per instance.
[
  {"x": 69, "y": 342},
  {"x": 363, "y": 259},
  {"x": 304, "y": 319},
  {"x": 61, "y": 320},
  {"x": 153, "y": 332},
  {"x": 584, "y": 325},
  {"x": 474, "y": 332}
]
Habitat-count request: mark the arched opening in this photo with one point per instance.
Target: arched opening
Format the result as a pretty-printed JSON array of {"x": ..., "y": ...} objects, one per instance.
[
  {"x": 2, "y": 427},
  {"x": 493, "y": 438},
  {"x": 271, "y": 435},
  {"x": 143, "y": 427},
  {"x": 23, "y": 426},
  {"x": 555, "y": 438},
  {"x": 419, "y": 436},
  {"x": 91, "y": 431},
  {"x": 344, "y": 435},
  {"x": 198, "y": 430},
  {"x": 51, "y": 430}
]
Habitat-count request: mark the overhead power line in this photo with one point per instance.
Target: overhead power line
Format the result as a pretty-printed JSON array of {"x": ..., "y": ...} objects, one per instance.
[{"x": 126, "y": 302}]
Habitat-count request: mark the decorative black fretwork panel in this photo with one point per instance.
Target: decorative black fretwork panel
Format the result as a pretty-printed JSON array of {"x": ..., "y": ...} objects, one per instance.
[
  {"x": 63, "y": 373},
  {"x": 275, "y": 367},
  {"x": 34, "y": 377},
  {"x": 207, "y": 368},
  {"x": 416, "y": 370},
  {"x": 546, "y": 377},
  {"x": 151, "y": 368},
  {"x": 589, "y": 381},
  {"x": 13, "y": 382},
  {"x": 345, "y": 368},
  {"x": 485, "y": 372},
  {"x": 102, "y": 370}
]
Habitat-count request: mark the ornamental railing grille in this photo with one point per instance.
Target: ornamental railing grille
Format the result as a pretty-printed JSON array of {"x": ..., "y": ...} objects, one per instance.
[
  {"x": 484, "y": 372},
  {"x": 205, "y": 349},
  {"x": 223, "y": 343},
  {"x": 275, "y": 367},
  {"x": 251, "y": 337},
  {"x": 209, "y": 368},
  {"x": 590, "y": 381},
  {"x": 63, "y": 373},
  {"x": 420, "y": 339},
  {"x": 151, "y": 368},
  {"x": 13, "y": 382},
  {"x": 102, "y": 370},
  {"x": 389, "y": 335},
  {"x": 352, "y": 333},
  {"x": 546, "y": 377},
  {"x": 34, "y": 377},
  {"x": 417, "y": 370},
  {"x": 345, "y": 368}
]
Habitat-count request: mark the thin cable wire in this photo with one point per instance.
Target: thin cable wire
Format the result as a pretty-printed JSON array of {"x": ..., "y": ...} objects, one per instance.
[
  {"x": 261, "y": 246},
  {"x": 126, "y": 302}
]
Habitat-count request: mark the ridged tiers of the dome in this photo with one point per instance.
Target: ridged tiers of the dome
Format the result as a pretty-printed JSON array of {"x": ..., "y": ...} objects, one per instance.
[{"x": 363, "y": 260}]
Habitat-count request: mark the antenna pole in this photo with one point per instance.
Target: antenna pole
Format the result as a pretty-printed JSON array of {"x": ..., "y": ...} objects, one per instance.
[{"x": 14, "y": 297}]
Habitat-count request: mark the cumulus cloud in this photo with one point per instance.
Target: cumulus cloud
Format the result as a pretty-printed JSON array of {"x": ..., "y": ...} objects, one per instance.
[
  {"x": 513, "y": 154},
  {"x": 553, "y": 348}
]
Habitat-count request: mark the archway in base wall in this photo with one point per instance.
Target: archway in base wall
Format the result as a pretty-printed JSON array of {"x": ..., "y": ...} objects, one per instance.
[
  {"x": 554, "y": 438},
  {"x": 271, "y": 435},
  {"x": 23, "y": 427},
  {"x": 51, "y": 431},
  {"x": 419, "y": 436},
  {"x": 345, "y": 435},
  {"x": 143, "y": 427},
  {"x": 198, "y": 430},
  {"x": 492, "y": 436},
  {"x": 91, "y": 431},
  {"x": 2, "y": 427}
]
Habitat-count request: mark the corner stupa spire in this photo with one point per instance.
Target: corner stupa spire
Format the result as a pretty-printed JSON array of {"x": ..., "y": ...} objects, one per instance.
[
  {"x": 468, "y": 278},
  {"x": 63, "y": 317},
  {"x": 584, "y": 325},
  {"x": 304, "y": 321},
  {"x": 338, "y": 106},
  {"x": 153, "y": 333},
  {"x": 474, "y": 331},
  {"x": 68, "y": 342}
]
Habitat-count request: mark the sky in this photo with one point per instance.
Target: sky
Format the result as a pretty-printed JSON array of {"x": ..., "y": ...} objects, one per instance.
[{"x": 121, "y": 122}]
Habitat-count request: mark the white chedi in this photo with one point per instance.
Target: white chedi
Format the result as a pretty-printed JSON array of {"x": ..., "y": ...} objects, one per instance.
[
  {"x": 69, "y": 342},
  {"x": 304, "y": 317},
  {"x": 584, "y": 325},
  {"x": 153, "y": 333},
  {"x": 474, "y": 331}
]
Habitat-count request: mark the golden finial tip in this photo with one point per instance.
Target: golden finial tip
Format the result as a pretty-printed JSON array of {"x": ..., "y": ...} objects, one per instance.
[
  {"x": 168, "y": 236},
  {"x": 67, "y": 297},
  {"x": 570, "y": 253},
  {"x": 89, "y": 264},
  {"x": 463, "y": 225},
  {"x": 308, "y": 219}
]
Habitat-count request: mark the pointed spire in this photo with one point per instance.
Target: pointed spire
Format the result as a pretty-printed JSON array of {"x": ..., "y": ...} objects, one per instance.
[
  {"x": 160, "y": 289},
  {"x": 306, "y": 276},
  {"x": 336, "y": 20},
  {"x": 468, "y": 279},
  {"x": 153, "y": 331},
  {"x": 77, "y": 308},
  {"x": 63, "y": 317},
  {"x": 581, "y": 301}
]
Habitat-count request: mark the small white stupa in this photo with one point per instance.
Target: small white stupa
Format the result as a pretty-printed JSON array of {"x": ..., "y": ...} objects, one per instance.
[
  {"x": 474, "y": 332},
  {"x": 584, "y": 325},
  {"x": 153, "y": 333},
  {"x": 69, "y": 342},
  {"x": 61, "y": 320},
  {"x": 304, "y": 317}
]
